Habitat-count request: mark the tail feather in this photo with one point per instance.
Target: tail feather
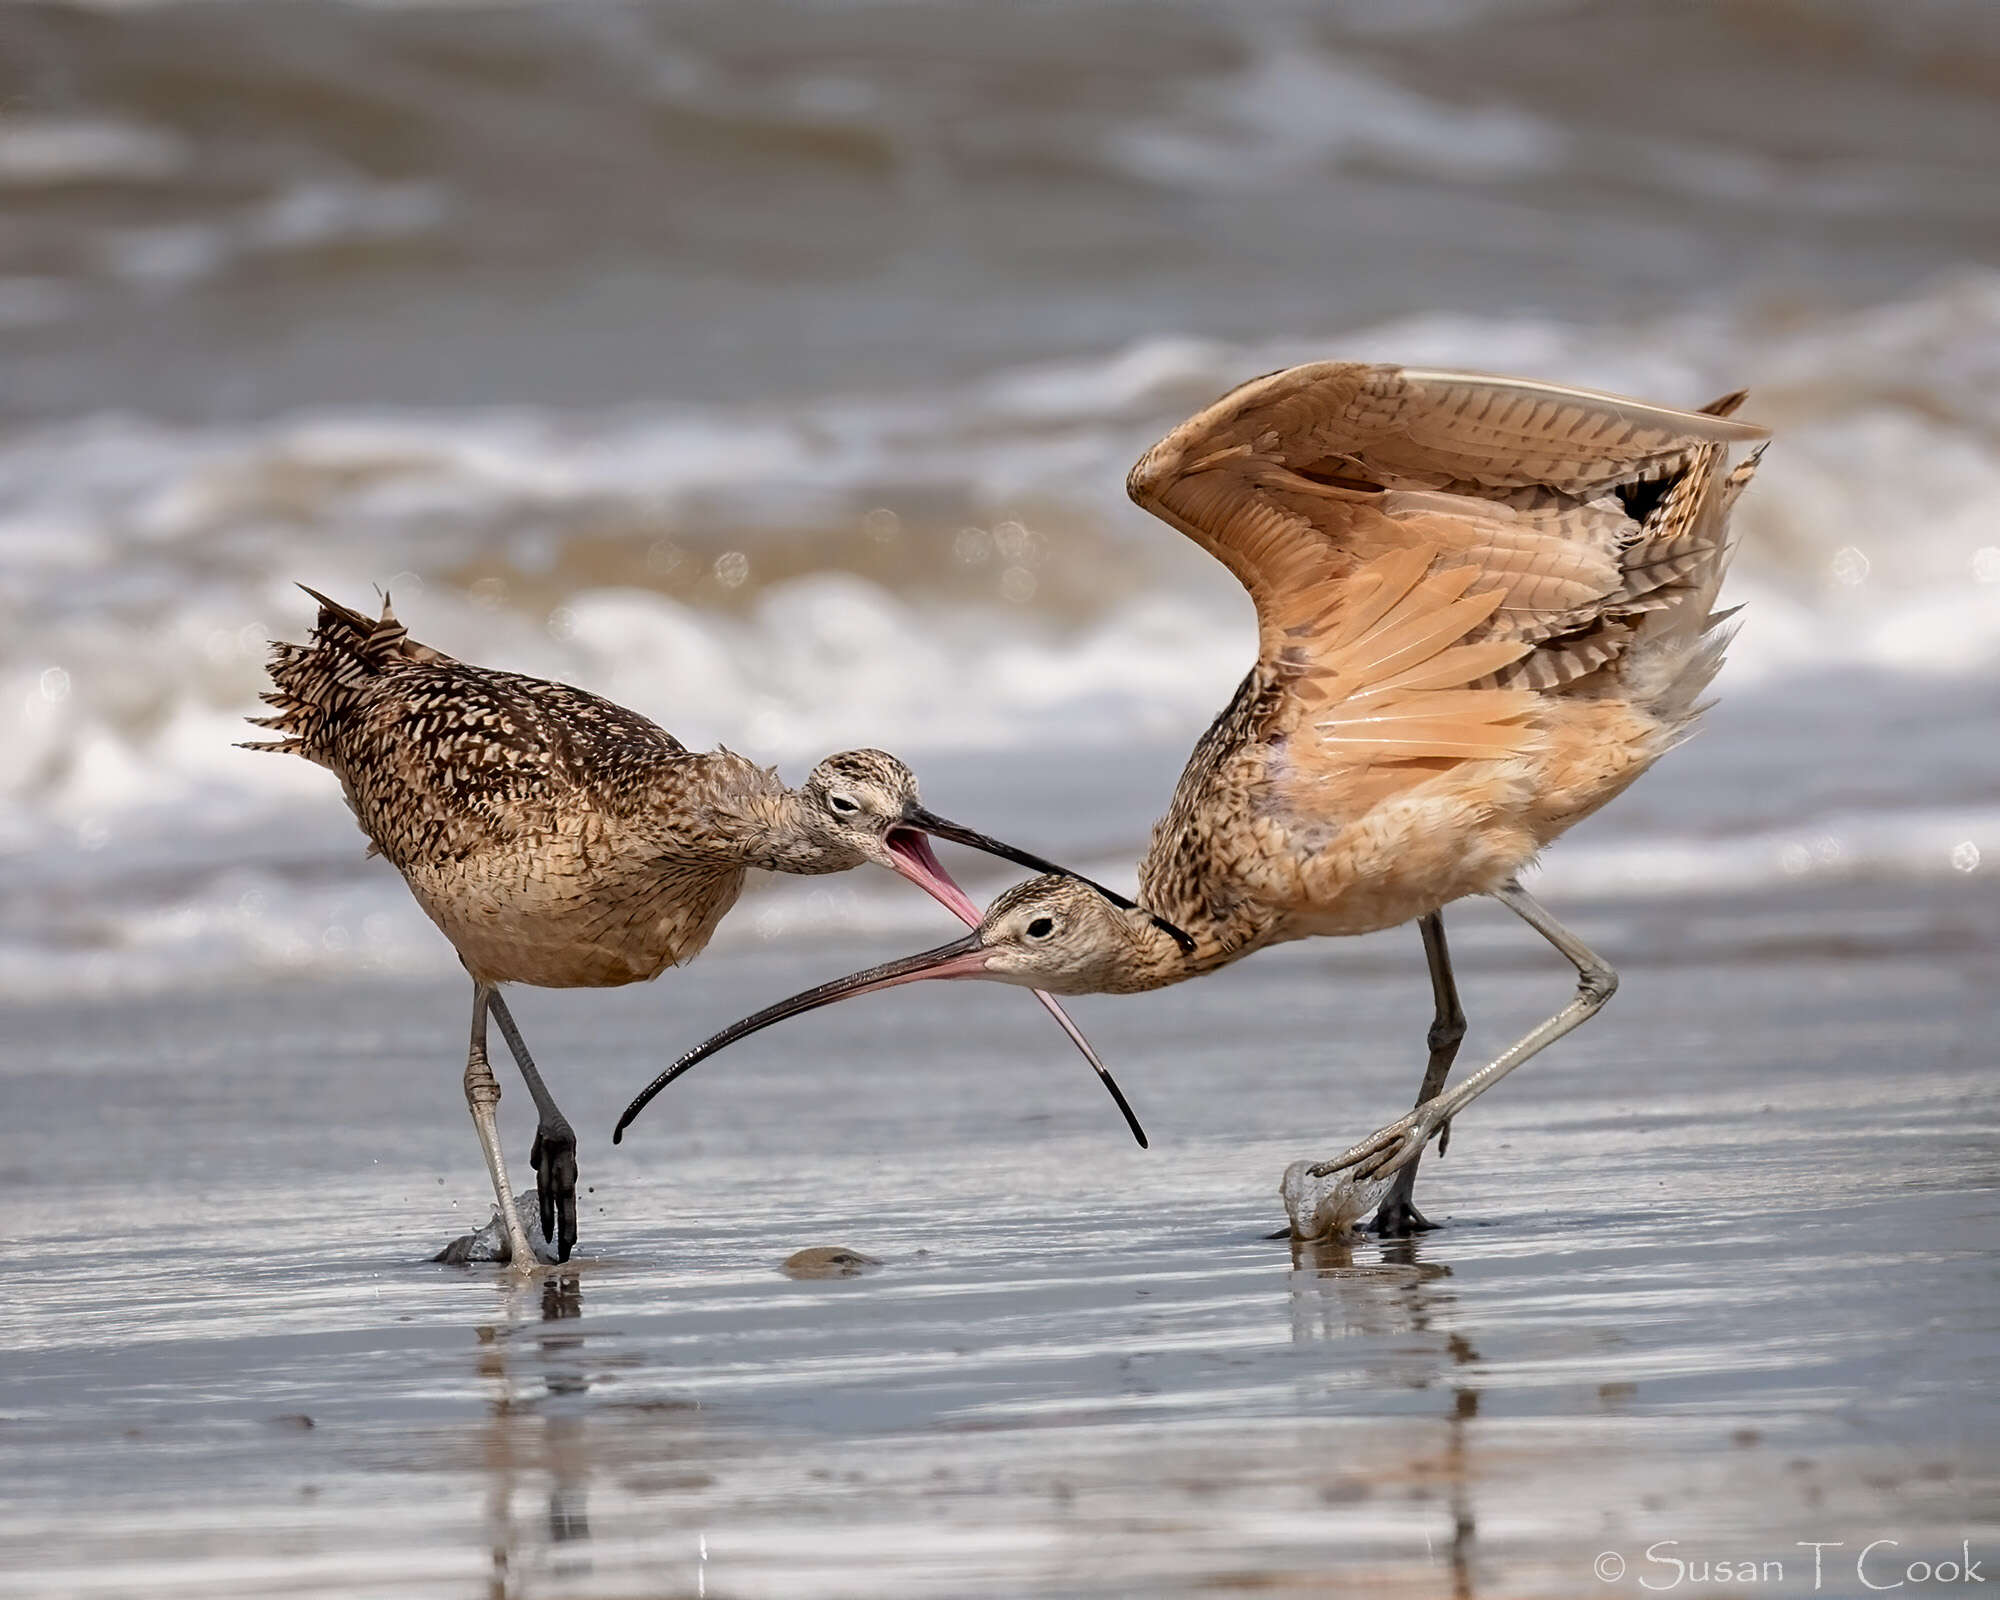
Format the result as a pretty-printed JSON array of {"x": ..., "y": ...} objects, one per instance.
[
  {"x": 1674, "y": 702},
  {"x": 317, "y": 685},
  {"x": 1739, "y": 478},
  {"x": 1672, "y": 574},
  {"x": 332, "y": 614}
]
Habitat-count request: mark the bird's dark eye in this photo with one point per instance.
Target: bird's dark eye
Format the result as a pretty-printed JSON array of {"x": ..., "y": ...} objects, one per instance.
[
  {"x": 842, "y": 806},
  {"x": 1041, "y": 927}
]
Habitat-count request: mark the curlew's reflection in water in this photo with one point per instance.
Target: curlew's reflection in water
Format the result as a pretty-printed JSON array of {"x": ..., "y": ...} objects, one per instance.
[
  {"x": 1395, "y": 1313},
  {"x": 532, "y": 1361}
]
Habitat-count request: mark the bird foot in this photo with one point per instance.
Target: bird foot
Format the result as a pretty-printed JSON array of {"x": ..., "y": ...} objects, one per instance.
[
  {"x": 490, "y": 1242},
  {"x": 1327, "y": 1205},
  {"x": 554, "y": 1158},
  {"x": 1398, "y": 1218},
  {"x": 1387, "y": 1150}
]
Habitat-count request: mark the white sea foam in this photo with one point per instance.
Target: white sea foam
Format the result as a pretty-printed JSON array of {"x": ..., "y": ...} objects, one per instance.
[
  {"x": 1292, "y": 107},
  {"x": 58, "y": 151}
]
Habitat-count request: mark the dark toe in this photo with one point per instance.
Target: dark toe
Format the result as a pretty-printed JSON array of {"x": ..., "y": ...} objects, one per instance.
[
  {"x": 1398, "y": 1218},
  {"x": 554, "y": 1156}
]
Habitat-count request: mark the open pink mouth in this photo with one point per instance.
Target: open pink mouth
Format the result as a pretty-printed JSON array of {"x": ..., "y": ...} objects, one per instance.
[{"x": 913, "y": 857}]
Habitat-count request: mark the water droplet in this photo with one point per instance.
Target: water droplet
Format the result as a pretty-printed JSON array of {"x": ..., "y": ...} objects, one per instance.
[
  {"x": 732, "y": 567},
  {"x": 1018, "y": 585},
  {"x": 1850, "y": 566},
  {"x": 1965, "y": 856},
  {"x": 562, "y": 623},
  {"x": 972, "y": 547},
  {"x": 55, "y": 685},
  {"x": 882, "y": 525}
]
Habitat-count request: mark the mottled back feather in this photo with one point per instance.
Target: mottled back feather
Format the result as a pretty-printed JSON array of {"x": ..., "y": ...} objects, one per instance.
[{"x": 438, "y": 758}]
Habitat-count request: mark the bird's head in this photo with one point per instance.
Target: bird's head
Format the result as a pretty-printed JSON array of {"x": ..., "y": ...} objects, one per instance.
[
  {"x": 863, "y": 805},
  {"x": 1065, "y": 935},
  {"x": 851, "y": 802}
]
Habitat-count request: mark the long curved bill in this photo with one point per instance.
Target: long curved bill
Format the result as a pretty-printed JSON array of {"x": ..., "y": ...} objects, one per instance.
[
  {"x": 962, "y": 958},
  {"x": 911, "y": 855}
]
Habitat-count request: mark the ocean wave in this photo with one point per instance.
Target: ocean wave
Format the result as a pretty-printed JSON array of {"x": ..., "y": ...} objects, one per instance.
[
  {"x": 947, "y": 570},
  {"x": 62, "y": 151},
  {"x": 799, "y": 566},
  {"x": 262, "y": 903},
  {"x": 1292, "y": 107}
]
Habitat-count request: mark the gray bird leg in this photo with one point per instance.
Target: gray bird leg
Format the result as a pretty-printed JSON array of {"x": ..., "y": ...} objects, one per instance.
[
  {"x": 554, "y": 1151},
  {"x": 1398, "y": 1217},
  {"x": 482, "y": 1094},
  {"x": 1389, "y": 1149}
]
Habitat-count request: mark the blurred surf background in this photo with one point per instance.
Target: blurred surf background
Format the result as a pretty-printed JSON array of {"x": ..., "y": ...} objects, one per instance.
[{"x": 775, "y": 368}]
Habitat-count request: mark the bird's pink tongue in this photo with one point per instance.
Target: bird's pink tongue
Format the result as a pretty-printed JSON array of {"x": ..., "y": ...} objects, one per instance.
[{"x": 914, "y": 859}]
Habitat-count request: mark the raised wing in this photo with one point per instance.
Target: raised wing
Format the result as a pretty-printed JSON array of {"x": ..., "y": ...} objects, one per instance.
[{"x": 1429, "y": 550}]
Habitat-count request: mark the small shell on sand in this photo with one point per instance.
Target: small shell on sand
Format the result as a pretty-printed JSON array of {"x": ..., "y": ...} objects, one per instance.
[
  {"x": 827, "y": 1261},
  {"x": 1331, "y": 1207}
]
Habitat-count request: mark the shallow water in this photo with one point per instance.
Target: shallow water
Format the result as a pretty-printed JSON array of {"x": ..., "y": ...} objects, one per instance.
[{"x": 1717, "y": 1270}]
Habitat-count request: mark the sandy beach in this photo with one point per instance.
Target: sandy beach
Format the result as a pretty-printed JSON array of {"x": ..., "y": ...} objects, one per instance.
[{"x": 1712, "y": 1273}]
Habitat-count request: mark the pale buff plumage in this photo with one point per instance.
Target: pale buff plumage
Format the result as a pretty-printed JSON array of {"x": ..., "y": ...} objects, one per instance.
[{"x": 1485, "y": 606}]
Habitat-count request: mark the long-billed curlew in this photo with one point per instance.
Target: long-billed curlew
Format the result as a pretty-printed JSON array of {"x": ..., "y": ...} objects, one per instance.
[
  {"x": 1484, "y": 607},
  {"x": 563, "y": 841}
]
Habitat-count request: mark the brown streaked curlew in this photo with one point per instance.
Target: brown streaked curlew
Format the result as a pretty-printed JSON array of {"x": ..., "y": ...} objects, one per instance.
[
  {"x": 1485, "y": 606},
  {"x": 559, "y": 840}
]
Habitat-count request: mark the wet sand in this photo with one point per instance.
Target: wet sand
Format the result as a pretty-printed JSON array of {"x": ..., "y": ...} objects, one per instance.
[{"x": 1716, "y": 1271}]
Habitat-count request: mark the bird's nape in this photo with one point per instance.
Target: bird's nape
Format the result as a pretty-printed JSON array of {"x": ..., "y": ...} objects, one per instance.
[{"x": 962, "y": 958}]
